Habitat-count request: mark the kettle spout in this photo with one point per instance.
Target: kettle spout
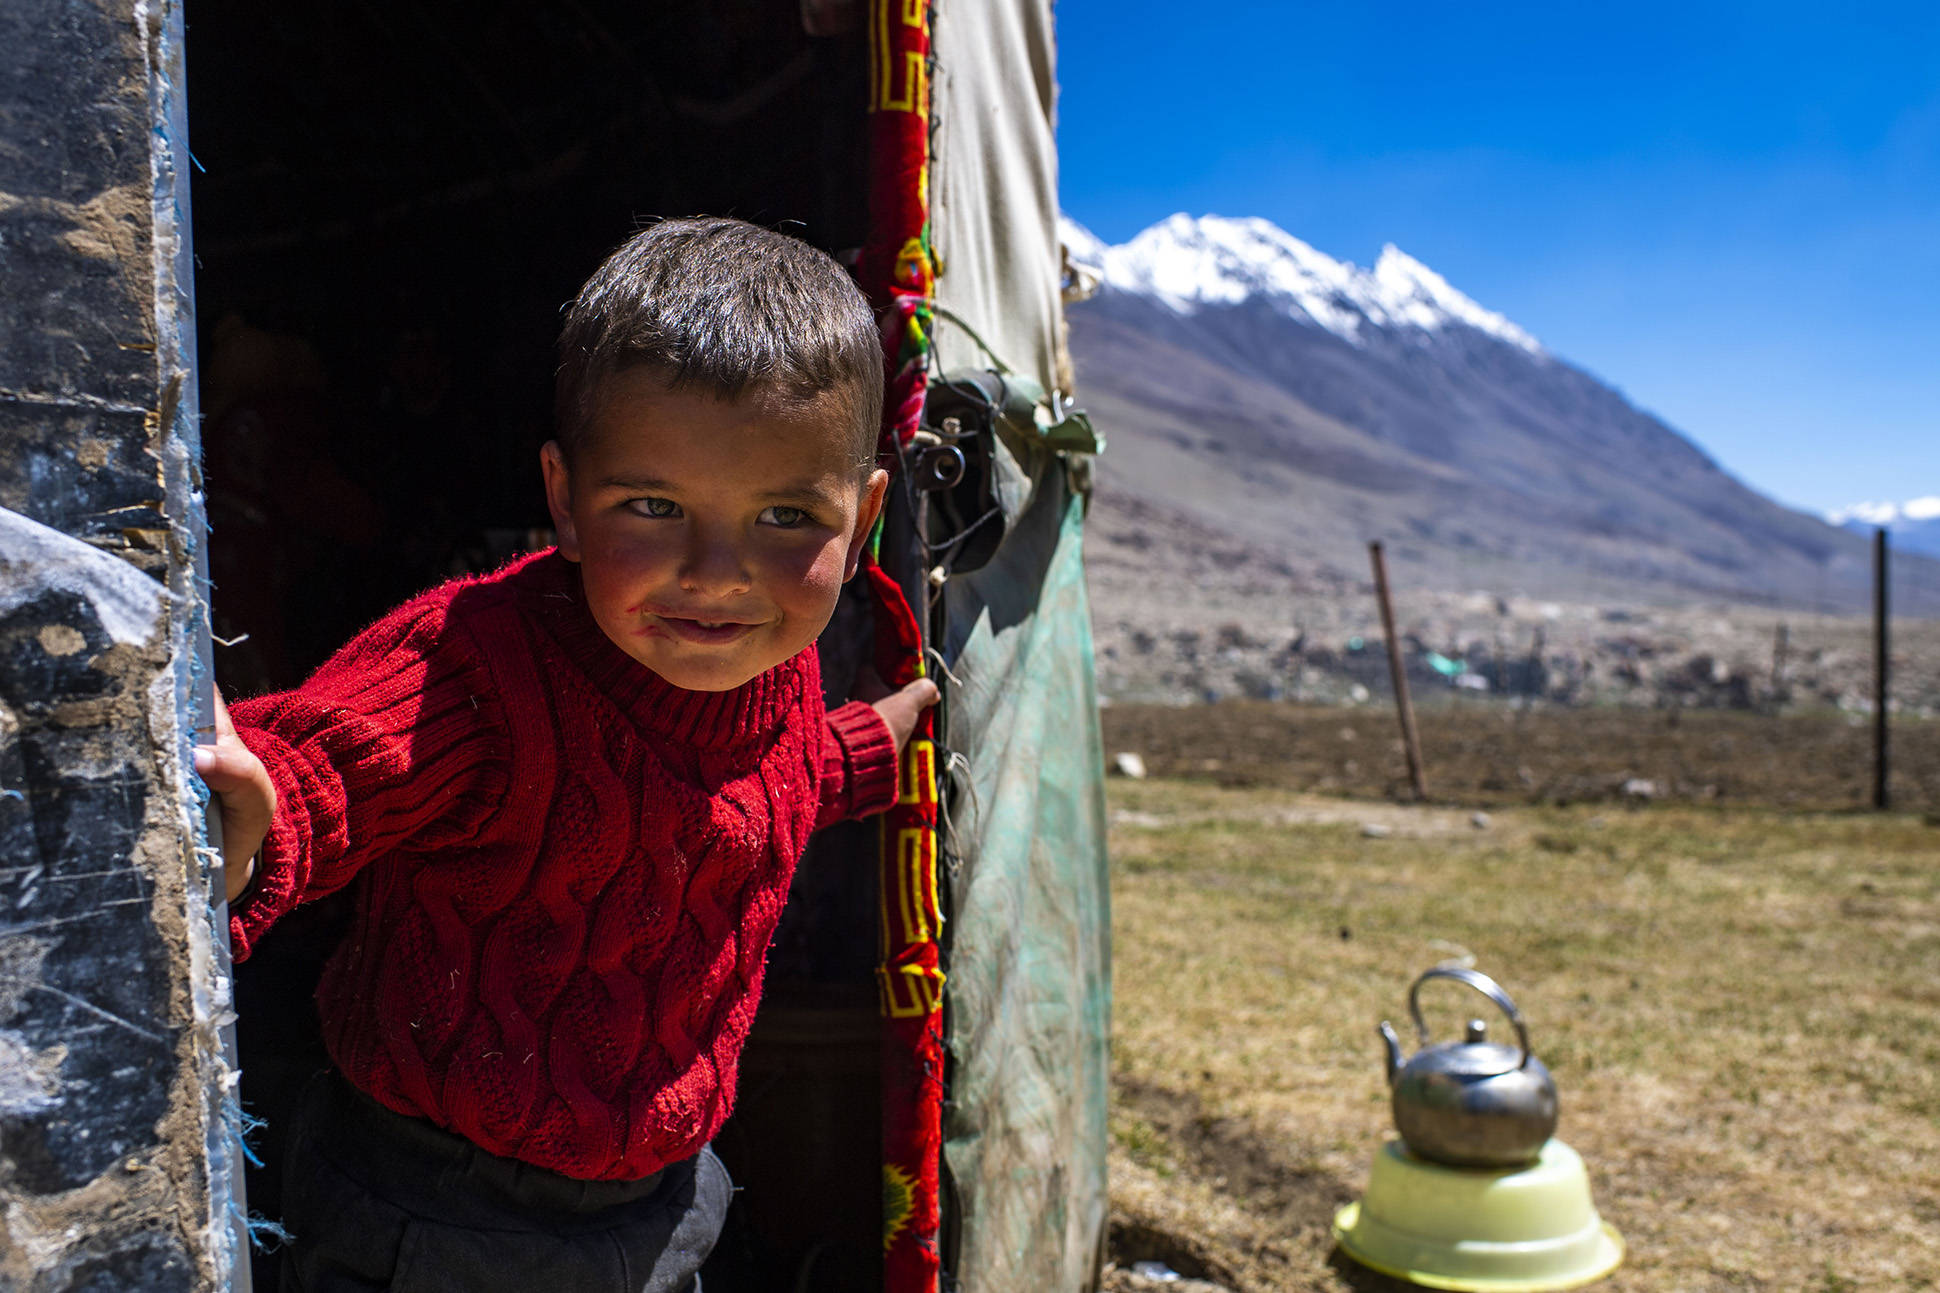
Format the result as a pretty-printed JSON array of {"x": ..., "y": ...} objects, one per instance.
[{"x": 1394, "y": 1050}]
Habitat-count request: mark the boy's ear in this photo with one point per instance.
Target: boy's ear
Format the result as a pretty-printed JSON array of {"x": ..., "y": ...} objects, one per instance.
[
  {"x": 873, "y": 493},
  {"x": 559, "y": 498}
]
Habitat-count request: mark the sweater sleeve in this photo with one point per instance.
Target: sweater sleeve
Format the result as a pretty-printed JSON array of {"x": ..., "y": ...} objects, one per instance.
[
  {"x": 398, "y": 741},
  {"x": 858, "y": 765}
]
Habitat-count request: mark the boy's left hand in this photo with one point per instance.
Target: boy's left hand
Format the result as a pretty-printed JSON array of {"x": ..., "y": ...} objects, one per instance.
[{"x": 899, "y": 709}]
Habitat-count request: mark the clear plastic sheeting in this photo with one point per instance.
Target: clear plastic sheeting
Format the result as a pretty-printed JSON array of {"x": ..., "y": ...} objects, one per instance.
[{"x": 1028, "y": 1000}]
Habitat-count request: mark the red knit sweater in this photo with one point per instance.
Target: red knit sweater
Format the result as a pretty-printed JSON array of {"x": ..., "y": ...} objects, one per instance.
[{"x": 570, "y": 869}]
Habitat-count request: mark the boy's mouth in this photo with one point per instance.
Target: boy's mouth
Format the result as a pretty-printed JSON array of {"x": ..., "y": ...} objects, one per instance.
[{"x": 701, "y": 632}]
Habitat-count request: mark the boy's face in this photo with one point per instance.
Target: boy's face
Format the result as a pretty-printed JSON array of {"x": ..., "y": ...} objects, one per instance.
[{"x": 712, "y": 535}]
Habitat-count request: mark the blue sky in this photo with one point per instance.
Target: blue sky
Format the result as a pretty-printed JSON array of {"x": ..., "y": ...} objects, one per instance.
[{"x": 1730, "y": 212}]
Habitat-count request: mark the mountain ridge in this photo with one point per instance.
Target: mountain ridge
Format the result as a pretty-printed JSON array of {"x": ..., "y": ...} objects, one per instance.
[
  {"x": 1187, "y": 262},
  {"x": 1384, "y": 403}
]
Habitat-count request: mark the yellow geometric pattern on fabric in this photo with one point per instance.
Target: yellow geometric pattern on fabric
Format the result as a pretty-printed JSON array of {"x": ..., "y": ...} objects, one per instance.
[
  {"x": 910, "y": 91},
  {"x": 898, "y": 1201},
  {"x": 909, "y": 991},
  {"x": 918, "y": 780},
  {"x": 916, "y": 872},
  {"x": 909, "y": 912}
]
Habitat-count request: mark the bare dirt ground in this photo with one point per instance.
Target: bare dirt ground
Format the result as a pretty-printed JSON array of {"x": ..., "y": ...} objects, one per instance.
[
  {"x": 1487, "y": 754},
  {"x": 1738, "y": 1003}
]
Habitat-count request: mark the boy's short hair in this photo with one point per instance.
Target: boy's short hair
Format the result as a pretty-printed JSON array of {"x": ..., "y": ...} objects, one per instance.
[{"x": 726, "y": 307}]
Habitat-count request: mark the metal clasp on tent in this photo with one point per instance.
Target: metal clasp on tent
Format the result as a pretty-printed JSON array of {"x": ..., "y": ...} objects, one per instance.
[{"x": 938, "y": 462}]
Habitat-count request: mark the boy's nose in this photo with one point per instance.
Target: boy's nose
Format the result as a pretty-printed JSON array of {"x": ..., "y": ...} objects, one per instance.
[{"x": 713, "y": 565}]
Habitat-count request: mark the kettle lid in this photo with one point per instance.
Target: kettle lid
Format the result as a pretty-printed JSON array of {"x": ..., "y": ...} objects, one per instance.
[{"x": 1475, "y": 1056}]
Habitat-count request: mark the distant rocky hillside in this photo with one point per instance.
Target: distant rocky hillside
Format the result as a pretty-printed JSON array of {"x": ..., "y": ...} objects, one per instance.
[{"x": 1271, "y": 409}]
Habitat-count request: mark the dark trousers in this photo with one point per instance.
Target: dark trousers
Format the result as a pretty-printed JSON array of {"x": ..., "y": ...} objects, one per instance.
[{"x": 378, "y": 1201}]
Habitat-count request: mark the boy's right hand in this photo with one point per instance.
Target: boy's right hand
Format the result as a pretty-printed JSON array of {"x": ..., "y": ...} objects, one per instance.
[
  {"x": 899, "y": 709},
  {"x": 248, "y": 797}
]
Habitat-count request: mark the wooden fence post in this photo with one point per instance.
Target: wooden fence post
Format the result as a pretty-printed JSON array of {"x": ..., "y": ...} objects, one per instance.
[
  {"x": 1411, "y": 742},
  {"x": 1882, "y": 664}
]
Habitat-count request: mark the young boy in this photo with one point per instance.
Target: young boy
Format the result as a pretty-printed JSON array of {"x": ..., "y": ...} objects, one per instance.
[{"x": 572, "y": 795}]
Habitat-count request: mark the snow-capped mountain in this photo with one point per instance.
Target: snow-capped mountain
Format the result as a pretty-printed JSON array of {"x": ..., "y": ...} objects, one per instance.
[
  {"x": 1914, "y": 525},
  {"x": 1188, "y": 263},
  {"x": 1258, "y": 389}
]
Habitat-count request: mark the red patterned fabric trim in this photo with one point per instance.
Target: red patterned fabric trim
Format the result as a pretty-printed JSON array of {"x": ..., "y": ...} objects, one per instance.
[{"x": 897, "y": 270}]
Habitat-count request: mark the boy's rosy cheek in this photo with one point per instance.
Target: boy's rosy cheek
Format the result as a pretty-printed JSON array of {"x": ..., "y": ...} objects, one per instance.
[{"x": 820, "y": 572}]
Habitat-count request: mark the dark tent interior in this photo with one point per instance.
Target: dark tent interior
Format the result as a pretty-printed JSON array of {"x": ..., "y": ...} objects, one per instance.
[{"x": 392, "y": 204}]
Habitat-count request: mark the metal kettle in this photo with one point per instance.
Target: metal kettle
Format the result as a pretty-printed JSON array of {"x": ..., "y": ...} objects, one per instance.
[{"x": 1472, "y": 1103}]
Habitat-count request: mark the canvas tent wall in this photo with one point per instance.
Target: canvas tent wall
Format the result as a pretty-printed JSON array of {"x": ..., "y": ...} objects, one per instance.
[
  {"x": 351, "y": 152},
  {"x": 1029, "y": 990}
]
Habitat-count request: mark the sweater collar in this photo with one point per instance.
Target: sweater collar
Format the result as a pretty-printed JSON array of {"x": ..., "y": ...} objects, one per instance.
[{"x": 709, "y": 719}]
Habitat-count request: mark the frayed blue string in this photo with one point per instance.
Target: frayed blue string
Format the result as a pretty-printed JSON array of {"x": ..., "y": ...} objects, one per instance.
[
  {"x": 266, "y": 1236},
  {"x": 247, "y": 1125}
]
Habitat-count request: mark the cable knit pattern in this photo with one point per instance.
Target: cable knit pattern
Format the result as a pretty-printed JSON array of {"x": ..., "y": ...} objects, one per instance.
[{"x": 570, "y": 870}]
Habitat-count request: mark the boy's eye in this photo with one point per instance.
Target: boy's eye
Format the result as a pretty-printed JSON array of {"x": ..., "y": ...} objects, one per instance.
[
  {"x": 787, "y": 518},
  {"x": 655, "y": 507}
]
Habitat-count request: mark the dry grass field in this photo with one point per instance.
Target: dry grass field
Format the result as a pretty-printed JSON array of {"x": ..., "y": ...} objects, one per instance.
[{"x": 1741, "y": 1006}]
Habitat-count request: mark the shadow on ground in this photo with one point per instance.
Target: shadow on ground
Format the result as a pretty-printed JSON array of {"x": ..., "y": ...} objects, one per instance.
[{"x": 1248, "y": 1165}]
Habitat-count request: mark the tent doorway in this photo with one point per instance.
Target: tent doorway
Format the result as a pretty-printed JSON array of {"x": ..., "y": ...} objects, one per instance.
[{"x": 396, "y": 199}]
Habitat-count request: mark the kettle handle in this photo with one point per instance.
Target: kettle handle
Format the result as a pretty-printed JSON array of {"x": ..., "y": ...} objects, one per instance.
[{"x": 1483, "y": 984}]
